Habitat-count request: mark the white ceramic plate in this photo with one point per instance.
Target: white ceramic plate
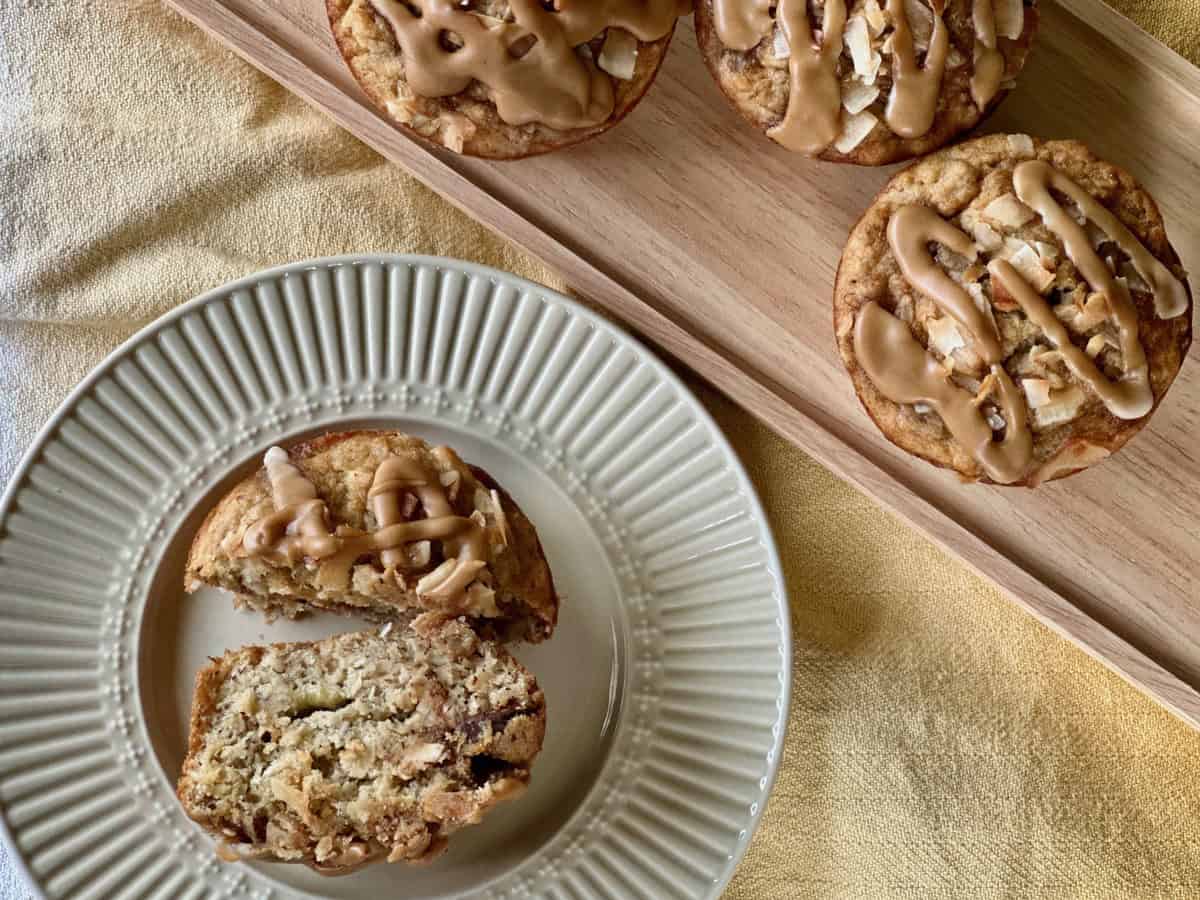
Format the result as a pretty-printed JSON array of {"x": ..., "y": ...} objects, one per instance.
[{"x": 666, "y": 681}]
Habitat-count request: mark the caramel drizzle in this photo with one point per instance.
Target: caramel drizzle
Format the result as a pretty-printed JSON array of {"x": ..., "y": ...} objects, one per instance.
[
  {"x": 910, "y": 231},
  {"x": 912, "y": 103},
  {"x": 813, "y": 118},
  {"x": 545, "y": 81},
  {"x": 989, "y": 62},
  {"x": 298, "y": 528},
  {"x": 1032, "y": 181},
  {"x": 741, "y": 24},
  {"x": 905, "y": 372}
]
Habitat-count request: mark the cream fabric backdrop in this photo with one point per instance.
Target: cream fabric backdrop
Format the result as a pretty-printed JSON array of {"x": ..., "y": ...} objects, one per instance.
[{"x": 942, "y": 744}]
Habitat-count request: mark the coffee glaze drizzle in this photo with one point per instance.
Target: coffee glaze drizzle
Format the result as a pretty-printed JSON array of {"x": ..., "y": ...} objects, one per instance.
[
  {"x": 813, "y": 118},
  {"x": 741, "y": 25},
  {"x": 298, "y": 527},
  {"x": 989, "y": 62},
  {"x": 904, "y": 372},
  {"x": 291, "y": 532},
  {"x": 530, "y": 65},
  {"x": 913, "y": 101},
  {"x": 910, "y": 231}
]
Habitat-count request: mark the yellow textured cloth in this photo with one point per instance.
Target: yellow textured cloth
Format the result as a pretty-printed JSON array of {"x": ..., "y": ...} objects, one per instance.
[{"x": 942, "y": 744}]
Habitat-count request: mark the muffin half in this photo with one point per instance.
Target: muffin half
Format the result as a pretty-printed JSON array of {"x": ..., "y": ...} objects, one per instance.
[
  {"x": 866, "y": 81},
  {"x": 1011, "y": 309},
  {"x": 358, "y": 747},
  {"x": 504, "y": 79},
  {"x": 380, "y": 524}
]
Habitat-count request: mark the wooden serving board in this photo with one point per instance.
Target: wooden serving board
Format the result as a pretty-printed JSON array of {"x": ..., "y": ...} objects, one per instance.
[{"x": 721, "y": 247}]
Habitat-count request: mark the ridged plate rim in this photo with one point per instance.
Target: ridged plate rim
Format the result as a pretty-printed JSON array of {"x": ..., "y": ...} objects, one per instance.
[{"x": 522, "y": 289}]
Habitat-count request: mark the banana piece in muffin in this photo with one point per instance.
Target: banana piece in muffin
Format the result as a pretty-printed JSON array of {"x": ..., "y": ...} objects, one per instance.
[
  {"x": 359, "y": 747},
  {"x": 865, "y": 81},
  {"x": 1011, "y": 309},
  {"x": 504, "y": 79},
  {"x": 380, "y": 524}
]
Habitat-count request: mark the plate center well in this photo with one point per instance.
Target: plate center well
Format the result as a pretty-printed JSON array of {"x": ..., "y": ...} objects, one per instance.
[{"x": 581, "y": 670}]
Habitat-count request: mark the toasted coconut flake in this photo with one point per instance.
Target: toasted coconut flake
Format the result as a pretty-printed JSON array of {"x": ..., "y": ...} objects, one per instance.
[
  {"x": 1008, "y": 211},
  {"x": 1063, "y": 406},
  {"x": 1074, "y": 455},
  {"x": 920, "y": 21},
  {"x": 886, "y": 47},
  {"x": 449, "y": 578},
  {"x": 981, "y": 301},
  {"x": 1010, "y": 18},
  {"x": 779, "y": 44},
  {"x": 1133, "y": 279},
  {"x": 875, "y": 17},
  {"x": 1048, "y": 253},
  {"x": 858, "y": 41},
  {"x": 986, "y": 237},
  {"x": 1094, "y": 313},
  {"x": 944, "y": 335},
  {"x": 1097, "y": 343},
  {"x": 984, "y": 392},
  {"x": 1029, "y": 264},
  {"x": 481, "y": 601},
  {"x": 501, "y": 519},
  {"x": 854, "y": 131},
  {"x": 1037, "y": 392},
  {"x": 618, "y": 56},
  {"x": 1021, "y": 143},
  {"x": 857, "y": 96}
]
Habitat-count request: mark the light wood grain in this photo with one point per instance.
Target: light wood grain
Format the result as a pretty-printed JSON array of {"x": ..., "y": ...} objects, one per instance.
[{"x": 720, "y": 248}]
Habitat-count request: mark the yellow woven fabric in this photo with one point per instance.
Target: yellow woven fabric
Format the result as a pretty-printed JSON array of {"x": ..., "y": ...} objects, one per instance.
[{"x": 942, "y": 744}]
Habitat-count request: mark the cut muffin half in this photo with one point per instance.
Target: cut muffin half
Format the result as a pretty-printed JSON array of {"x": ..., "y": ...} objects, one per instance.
[
  {"x": 380, "y": 524},
  {"x": 359, "y": 747}
]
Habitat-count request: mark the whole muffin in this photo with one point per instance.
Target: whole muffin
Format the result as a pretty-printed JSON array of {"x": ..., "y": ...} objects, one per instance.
[
  {"x": 866, "y": 81},
  {"x": 1011, "y": 309},
  {"x": 504, "y": 79}
]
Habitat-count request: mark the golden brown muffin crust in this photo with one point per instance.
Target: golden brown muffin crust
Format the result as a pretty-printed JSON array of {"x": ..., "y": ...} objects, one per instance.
[
  {"x": 959, "y": 184},
  {"x": 466, "y": 122},
  {"x": 342, "y": 466}
]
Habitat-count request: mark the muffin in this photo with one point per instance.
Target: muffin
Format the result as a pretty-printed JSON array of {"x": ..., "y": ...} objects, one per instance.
[
  {"x": 502, "y": 79},
  {"x": 869, "y": 82},
  {"x": 1011, "y": 309},
  {"x": 377, "y": 524},
  {"x": 359, "y": 747}
]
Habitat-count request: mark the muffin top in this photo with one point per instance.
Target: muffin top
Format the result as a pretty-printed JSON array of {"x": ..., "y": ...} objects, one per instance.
[
  {"x": 865, "y": 81},
  {"x": 1011, "y": 309},
  {"x": 504, "y": 78}
]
